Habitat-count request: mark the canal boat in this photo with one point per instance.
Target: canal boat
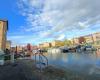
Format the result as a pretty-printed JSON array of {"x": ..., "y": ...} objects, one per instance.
[{"x": 65, "y": 50}]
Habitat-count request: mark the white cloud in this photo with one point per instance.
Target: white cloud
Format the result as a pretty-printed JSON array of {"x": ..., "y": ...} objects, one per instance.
[
  {"x": 61, "y": 37},
  {"x": 45, "y": 34},
  {"x": 59, "y": 15},
  {"x": 66, "y": 14}
]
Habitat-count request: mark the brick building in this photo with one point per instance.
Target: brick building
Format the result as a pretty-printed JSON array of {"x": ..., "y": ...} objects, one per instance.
[{"x": 3, "y": 33}]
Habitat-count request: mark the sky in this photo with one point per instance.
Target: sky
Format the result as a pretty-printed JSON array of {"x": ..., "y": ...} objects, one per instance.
[{"x": 37, "y": 21}]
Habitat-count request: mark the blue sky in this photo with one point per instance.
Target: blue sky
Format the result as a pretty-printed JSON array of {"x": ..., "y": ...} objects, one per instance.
[{"x": 37, "y": 21}]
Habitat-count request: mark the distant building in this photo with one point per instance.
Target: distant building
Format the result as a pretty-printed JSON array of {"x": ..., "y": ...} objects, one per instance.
[
  {"x": 34, "y": 47},
  {"x": 46, "y": 45},
  {"x": 96, "y": 37},
  {"x": 8, "y": 45},
  {"x": 76, "y": 41},
  {"x": 81, "y": 40},
  {"x": 57, "y": 43},
  {"x": 88, "y": 38},
  {"x": 3, "y": 33},
  {"x": 40, "y": 45},
  {"x": 19, "y": 48},
  {"x": 72, "y": 42},
  {"x": 92, "y": 38}
]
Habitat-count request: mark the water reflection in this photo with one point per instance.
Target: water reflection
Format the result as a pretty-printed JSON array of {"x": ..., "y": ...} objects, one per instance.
[{"x": 87, "y": 62}]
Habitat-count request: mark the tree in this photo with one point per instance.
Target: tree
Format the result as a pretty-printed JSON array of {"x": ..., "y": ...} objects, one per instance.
[{"x": 67, "y": 42}]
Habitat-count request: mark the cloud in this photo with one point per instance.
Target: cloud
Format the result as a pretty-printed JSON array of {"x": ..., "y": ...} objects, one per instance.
[
  {"x": 67, "y": 14},
  {"x": 45, "y": 34},
  {"x": 49, "y": 17},
  {"x": 61, "y": 37}
]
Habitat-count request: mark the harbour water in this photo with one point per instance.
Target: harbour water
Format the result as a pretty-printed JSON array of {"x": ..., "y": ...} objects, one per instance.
[{"x": 84, "y": 62}]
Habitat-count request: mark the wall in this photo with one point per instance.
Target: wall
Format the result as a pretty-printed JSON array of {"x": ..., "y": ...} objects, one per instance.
[{"x": 3, "y": 29}]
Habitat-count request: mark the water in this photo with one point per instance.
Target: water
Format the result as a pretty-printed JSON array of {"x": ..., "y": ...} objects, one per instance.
[{"x": 85, "y": 62}]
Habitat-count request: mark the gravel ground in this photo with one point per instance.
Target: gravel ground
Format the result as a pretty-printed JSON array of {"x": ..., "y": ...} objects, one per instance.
[{"x": 26, "y": 70}]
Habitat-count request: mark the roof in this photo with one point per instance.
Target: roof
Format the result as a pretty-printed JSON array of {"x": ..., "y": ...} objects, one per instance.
[{"x": 5, "y": 21}]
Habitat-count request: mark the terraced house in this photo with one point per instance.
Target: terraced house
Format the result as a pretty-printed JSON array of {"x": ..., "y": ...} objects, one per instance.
[{"x": 3, "y": 33}]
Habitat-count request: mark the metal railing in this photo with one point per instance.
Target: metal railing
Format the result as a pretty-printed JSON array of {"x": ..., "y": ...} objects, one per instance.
[{"x": 42, "y": 62}]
